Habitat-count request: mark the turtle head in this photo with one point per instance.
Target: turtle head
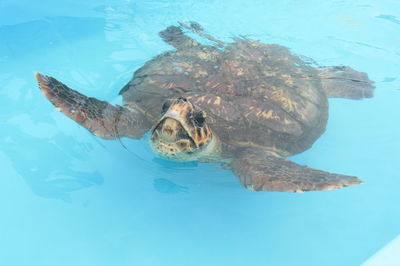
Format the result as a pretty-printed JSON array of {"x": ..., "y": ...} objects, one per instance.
[{"x": 181, "y": 133}]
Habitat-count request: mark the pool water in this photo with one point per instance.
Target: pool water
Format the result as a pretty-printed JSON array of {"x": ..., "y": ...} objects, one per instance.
[{"x": 69, "y": 198}]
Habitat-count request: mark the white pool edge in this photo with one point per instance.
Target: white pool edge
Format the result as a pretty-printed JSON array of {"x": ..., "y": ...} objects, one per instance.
[{"x": 387, "y": 256}]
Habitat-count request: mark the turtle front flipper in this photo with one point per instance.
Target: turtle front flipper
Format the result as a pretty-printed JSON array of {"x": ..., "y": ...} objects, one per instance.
[
  {"x": 345, "y": 82},
  {"x": 263, "y": 171},
  {"x": 99, "y": 117},
  {"x": 174, "y": 36}
]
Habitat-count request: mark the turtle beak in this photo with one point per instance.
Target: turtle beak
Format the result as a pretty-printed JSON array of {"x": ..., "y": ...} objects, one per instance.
[
  {"x": 171, "y": 130},
  {"x": 179, "y": 110},
  {"x": 181, "y": 132}
]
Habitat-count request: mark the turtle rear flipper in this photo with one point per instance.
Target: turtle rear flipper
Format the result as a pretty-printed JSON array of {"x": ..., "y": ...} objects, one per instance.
[
  {"x": 198, "y": 29},
  {"x": 345, "y": 82},
  {"x": 263, "y": 171},
  {"x": 174, "y": 36},
  {"x": 99, "y": 117}
]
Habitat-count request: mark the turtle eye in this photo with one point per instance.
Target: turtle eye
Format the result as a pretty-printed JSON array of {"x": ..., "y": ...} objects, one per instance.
[
  {"x": 200, "y": 118},
  {"x": 166, "y": 106}
]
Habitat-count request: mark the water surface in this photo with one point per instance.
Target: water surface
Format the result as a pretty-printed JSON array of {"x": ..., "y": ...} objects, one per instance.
[{"x": 69, "y": 198}]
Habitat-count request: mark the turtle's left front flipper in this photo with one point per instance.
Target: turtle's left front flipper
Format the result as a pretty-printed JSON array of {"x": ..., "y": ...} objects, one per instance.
[
  {"x": 261, "y": 170},
  {"x": 99, "y": 117}
]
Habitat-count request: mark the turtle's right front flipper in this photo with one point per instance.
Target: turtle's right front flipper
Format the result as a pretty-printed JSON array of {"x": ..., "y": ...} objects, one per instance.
[
  {"x": 263, "y": 171},
  {"x": 99, "y": 117}
]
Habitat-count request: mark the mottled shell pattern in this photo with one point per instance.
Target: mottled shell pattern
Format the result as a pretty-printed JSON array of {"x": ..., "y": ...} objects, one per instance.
[{"x": 254, "y": 94}]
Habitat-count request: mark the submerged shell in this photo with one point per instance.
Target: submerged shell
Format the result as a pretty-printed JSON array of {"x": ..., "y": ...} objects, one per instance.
[{"x": 255, "y": 94}]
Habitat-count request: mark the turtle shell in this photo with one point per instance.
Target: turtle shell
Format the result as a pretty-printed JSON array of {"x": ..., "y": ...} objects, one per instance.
[{"x": 254, "y": 94}]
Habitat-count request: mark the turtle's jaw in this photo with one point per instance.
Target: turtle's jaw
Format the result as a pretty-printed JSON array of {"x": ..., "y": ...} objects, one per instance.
[{"x": 170, "y": 140}]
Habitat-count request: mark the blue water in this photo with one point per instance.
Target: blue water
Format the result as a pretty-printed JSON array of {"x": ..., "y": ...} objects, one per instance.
[{"x": 69, "y": 198}]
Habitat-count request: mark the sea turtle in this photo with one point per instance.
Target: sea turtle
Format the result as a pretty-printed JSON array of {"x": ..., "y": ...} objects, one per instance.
[{"x": 244, "y": 104}]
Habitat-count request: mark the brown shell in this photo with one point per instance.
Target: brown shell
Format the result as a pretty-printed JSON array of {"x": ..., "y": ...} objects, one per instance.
[{"x": 254, "y": 93}]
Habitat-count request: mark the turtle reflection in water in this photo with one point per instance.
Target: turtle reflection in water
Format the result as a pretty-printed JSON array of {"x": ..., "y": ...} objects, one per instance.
[{"x": 245, "y": 104}]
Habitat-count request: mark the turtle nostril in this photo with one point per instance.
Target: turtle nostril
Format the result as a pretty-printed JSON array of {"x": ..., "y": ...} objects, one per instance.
[
  {"x": 168, "y": 131},
  {"x": 182, "y": 99}
]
